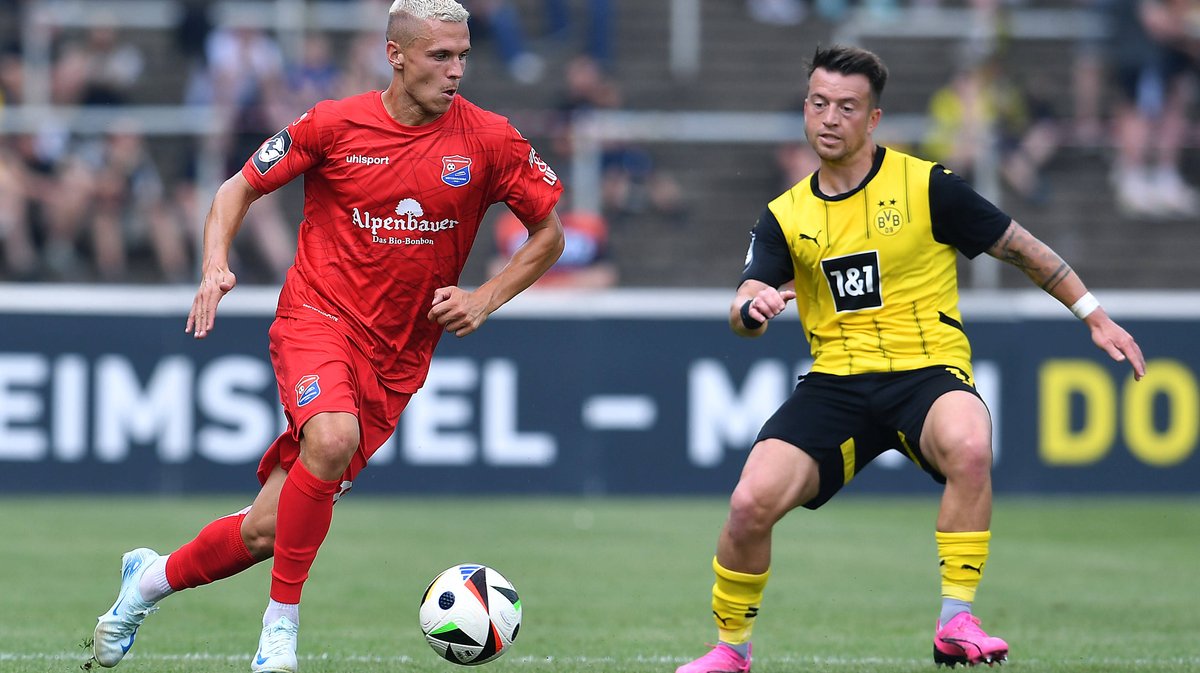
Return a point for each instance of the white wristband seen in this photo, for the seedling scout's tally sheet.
(1084, 306)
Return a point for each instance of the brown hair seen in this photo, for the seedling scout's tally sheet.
(849, 60)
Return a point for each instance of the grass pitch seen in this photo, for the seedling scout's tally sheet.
(1074, 585)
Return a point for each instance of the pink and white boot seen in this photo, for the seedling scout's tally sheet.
(961, 641)
(720, 659)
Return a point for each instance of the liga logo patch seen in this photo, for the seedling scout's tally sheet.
(275, 148)
(307, 389)
(456, 170)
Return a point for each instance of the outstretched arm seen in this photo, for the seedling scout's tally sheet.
(462, 312)
(225, 217)
(1046, 269)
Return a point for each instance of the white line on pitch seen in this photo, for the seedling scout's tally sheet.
(1187, 662)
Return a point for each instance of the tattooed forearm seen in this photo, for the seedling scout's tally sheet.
(1057, 277)
(1034, 258)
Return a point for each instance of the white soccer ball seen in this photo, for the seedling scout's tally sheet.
(470, 614)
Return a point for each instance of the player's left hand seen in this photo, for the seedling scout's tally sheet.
(458, 311)
(1115, 341)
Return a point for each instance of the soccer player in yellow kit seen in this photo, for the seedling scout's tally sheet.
(867, 246)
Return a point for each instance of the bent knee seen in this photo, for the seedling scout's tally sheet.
(969, 458)
(750, 513)
(327, 456)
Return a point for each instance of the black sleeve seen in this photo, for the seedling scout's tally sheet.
(961, 217)
(768, 259)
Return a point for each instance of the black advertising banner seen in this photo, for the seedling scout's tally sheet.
(543, 402)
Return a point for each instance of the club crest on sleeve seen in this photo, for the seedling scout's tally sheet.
(456, 170)
(275, 148)
(307, 389)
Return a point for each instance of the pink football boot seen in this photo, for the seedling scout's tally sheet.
(961, 641)
(720, 659)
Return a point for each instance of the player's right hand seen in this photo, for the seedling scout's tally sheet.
(769, 303)
(215, 284)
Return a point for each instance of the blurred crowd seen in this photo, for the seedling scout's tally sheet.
(123, 206)
(1130, 98)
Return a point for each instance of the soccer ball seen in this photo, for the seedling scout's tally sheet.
(470, 614)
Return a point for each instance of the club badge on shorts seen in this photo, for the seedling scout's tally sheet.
(307, 389)
(456, 170)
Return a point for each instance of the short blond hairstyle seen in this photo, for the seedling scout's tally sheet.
(442, 10)
(404, 16)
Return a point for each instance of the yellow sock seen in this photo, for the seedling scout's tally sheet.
(735, 601)
(962, 557)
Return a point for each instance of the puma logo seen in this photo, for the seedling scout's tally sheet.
(751, 613)
(965, 566)
(806, 237)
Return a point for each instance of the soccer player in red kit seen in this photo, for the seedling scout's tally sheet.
(395, 186)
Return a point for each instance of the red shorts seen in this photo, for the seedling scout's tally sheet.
(319, 370)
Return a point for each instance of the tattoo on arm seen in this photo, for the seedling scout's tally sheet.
(1034, 258)
(1057, 277)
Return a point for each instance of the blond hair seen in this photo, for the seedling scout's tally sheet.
(442, 10)
(405, 17)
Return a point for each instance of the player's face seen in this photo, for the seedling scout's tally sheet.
(432, 66)
(838, 115)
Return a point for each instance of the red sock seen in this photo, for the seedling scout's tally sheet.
(217, 552)
(305, 511)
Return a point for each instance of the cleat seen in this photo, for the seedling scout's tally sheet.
(276, 648)
(961, 641)
(117, 628)
(720, 659)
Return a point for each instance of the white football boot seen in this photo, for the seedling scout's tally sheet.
(117, 628)
(276, 648)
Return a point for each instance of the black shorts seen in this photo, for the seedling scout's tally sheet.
(844, 422)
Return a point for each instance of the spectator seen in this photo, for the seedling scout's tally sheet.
(131, 217)
(315, 76)
(244, 79)
(599, 21)
(500, 21)
(114, 68)
(585, 261)
(794, 161)
(981, 110)
(1155, 62)
(64, 195)
(12, 75)
(191, 40)
(1087, 78)
(16, 240)
(98, 69)
(631, 183)
(361, 70)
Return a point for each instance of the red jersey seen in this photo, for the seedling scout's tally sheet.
(390, 214)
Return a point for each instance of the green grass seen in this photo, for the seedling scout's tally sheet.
(1074, 585)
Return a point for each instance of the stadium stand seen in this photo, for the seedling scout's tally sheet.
(738, 65)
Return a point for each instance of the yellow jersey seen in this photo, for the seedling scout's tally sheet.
(875, 268)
